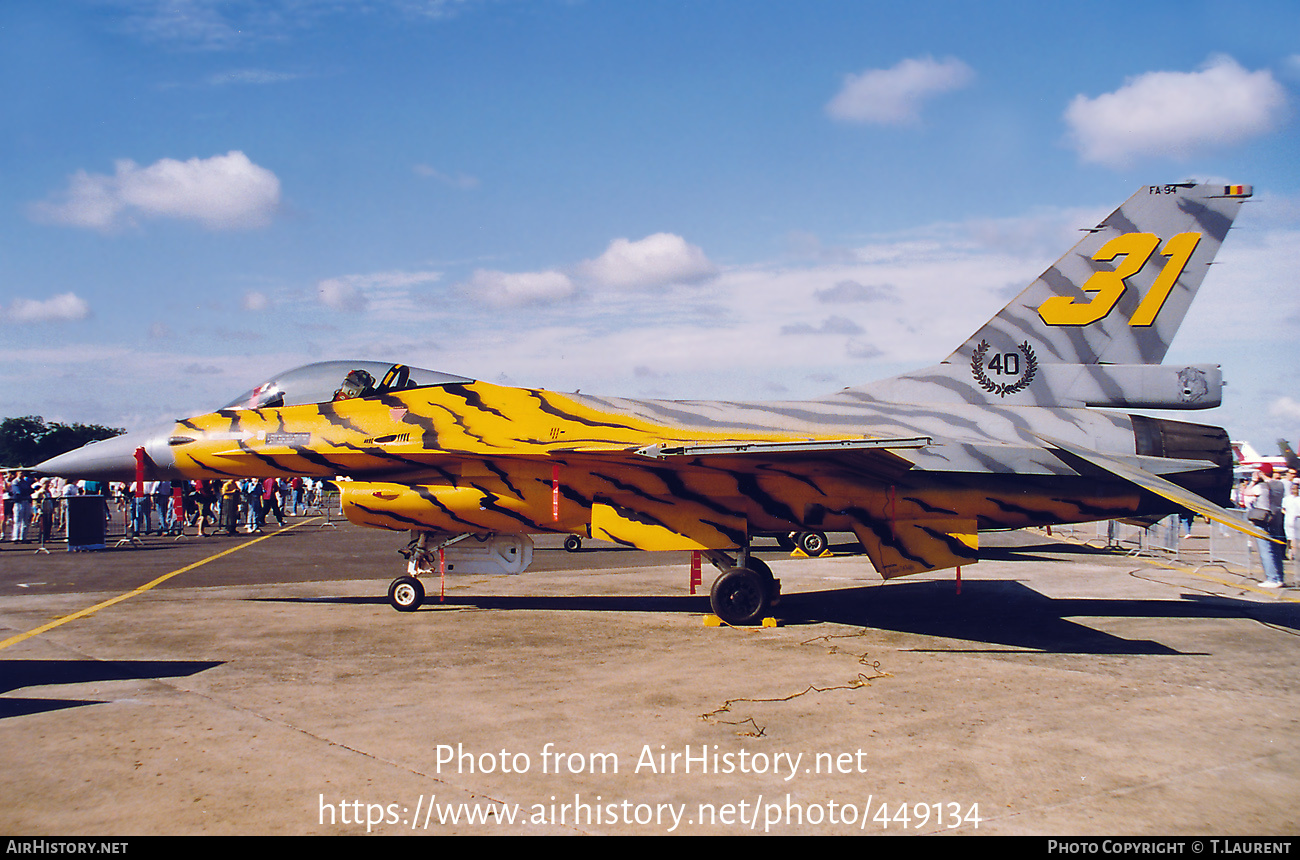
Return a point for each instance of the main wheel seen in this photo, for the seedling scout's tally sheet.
(812, 543)
(406, 594)
(740, 596)
(573, 543)
(773, 584)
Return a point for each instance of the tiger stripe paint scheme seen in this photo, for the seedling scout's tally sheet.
(914, 466)
(483, 458)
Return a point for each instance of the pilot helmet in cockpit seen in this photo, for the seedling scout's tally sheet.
(358, 383)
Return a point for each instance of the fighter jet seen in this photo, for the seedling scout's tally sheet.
(1008, 431)
(1247, 460)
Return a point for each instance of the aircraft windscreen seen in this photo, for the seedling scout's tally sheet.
(337, 380)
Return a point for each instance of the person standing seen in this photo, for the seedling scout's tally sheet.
(43, 497)
(270, 501)
(21, 492)
(1264, 509)
(1291, 517)
(204, 497)
(230, 505)
(6, 480)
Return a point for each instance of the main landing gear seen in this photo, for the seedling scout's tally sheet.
(745, 589)
(813, 544)
(743, 594)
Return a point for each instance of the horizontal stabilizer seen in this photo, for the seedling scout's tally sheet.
(1155, 484)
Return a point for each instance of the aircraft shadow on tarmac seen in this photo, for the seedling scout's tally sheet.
(17, 674)
(1008, 613)
(1003, 613)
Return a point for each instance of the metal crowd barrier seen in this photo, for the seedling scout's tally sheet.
(1210, 544)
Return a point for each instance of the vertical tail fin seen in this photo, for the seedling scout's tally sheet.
(1119, 295)
(1093, 329)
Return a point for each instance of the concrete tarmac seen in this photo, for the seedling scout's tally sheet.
(271, 690)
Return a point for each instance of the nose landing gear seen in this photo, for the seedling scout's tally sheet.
(406, 594)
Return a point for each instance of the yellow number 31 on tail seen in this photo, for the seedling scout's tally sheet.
(1109, 285)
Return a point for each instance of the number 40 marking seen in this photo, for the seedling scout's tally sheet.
(1109, 286)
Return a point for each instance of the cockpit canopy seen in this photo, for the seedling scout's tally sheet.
(338, 380)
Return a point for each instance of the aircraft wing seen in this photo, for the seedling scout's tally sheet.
(874, 458)
(812, 446)
(1154, 483)
(896, 545)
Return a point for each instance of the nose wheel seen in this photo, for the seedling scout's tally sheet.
(406, 594)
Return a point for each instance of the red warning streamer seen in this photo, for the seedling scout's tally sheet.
(139, 473)
(555, 492)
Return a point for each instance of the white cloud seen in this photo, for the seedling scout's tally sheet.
(830, 325)
(219, 25)
(852, 291)
(894, 96)
(519, 288)
(1175, 113)
(459, 180)
(388, 292)
(1285, 407)
(225, 192)
(657, 260)
(255, 301)
(251, 77)
(342, 295)
(62, 308)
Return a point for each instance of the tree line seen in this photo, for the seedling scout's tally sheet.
(30, 440)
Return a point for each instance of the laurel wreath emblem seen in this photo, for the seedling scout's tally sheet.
(999, 388)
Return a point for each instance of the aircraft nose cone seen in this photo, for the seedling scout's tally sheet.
(114, 459)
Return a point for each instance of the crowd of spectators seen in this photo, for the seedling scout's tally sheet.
(33, 508)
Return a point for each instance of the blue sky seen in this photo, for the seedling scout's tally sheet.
(743, 200)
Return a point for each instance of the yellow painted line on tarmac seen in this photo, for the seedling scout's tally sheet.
(59, 622)
(1271, 592)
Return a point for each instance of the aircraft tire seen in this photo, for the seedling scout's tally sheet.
(573, 543)
(773, 584)
(740, 596)
(406, 594)
(786, 542)
(812, 543)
